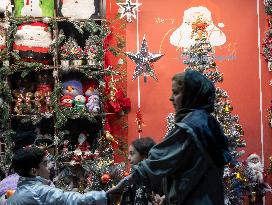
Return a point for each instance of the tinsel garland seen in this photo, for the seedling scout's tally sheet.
(267, 46)
(268, 7)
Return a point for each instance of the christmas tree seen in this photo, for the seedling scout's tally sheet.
(200, 56)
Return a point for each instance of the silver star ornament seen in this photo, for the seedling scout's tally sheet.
(144, 61)
(128, 9)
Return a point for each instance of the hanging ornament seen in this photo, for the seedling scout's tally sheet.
(268, 7)
(270, 114)
(108, 134)
(128, 9)
(170, 119)
(105, 178)
(228, 108)
(126, 173)
(144, 61)
(139, 120)
(269, 169)
(113, 89)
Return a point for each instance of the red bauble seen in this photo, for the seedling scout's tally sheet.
(126, 173)
(105, 178)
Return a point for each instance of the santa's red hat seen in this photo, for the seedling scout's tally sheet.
(252, 156)
(66, 97)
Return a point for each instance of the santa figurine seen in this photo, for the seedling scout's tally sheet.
(65, 146)
(32, 41)
(83, 144)
(256, 178)
(77, 9)
(67, 101)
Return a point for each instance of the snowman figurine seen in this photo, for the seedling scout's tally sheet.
(78, 9)
(31, 8)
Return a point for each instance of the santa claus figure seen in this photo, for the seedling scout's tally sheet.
(33, 41)
(182, 37)
(83, 144)
(77, 9)
(255, 166)
(5, 6)
(259, 187)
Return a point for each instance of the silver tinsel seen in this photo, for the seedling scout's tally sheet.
(128, 9)
(144, 61)
(170, 119)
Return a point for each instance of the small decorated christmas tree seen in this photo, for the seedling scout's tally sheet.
(70, 50)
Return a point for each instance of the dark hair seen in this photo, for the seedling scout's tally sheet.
(179, 79)
(26, 158)
(2, 174)
(143, 145)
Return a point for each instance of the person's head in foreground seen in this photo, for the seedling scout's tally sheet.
(31, 162)
(138, 150)
(192, 91)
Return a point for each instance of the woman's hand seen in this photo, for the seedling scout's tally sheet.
(157, 199)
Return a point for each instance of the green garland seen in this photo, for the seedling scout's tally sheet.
(7, 97)
(7, 136)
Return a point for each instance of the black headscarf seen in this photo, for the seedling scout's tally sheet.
(198, 93)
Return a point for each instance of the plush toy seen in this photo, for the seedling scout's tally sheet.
(65, 146)
(48, 102)
(93, 103)
(83, 144)
(33, 41)
(18, 108)
(66, 101)
(5, 6)
(79, 102)
(45, 82)
(38, 98)
(90, 90)
(28, 103)
(78, 9)
(72, 88)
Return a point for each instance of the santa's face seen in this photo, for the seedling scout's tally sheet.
(81, 138)
(255, 164)
(67, 101)
(78, 9)
(80, 99)
(33, 36)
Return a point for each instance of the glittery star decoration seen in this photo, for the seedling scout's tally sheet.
(128, 9)
(144, 61)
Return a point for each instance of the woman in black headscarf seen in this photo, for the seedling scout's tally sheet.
(188, 164)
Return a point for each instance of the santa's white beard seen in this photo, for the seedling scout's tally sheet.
(33, 37)
(81, 10)
(257, 171)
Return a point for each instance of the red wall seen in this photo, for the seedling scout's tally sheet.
(242, 81)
